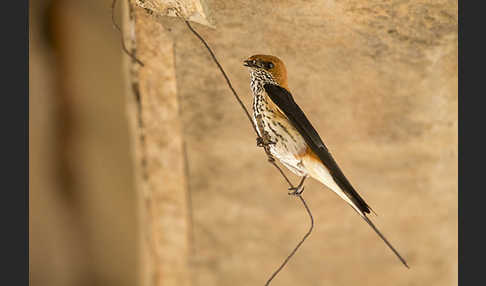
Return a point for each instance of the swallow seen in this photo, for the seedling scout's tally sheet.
(293, 140)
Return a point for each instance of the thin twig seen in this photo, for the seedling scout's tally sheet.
(222, 71)
(122, 40)
(298, 245)
(265, 147)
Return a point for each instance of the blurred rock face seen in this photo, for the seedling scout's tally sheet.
(82, 211)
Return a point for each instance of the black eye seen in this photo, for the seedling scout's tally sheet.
(253, 62)
(270, 65)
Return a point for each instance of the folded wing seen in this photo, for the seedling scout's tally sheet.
(284, 100)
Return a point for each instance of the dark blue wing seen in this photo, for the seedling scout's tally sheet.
(283, 99)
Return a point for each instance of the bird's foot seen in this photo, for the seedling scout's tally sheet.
(261, 142)
(296, 191)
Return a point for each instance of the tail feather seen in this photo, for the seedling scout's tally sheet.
(321, 173)
(384, 239)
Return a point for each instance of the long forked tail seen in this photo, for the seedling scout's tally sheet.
(385, 240)
(318, 171)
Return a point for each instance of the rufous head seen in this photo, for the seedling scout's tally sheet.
(270, 64)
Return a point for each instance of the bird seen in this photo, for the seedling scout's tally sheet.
(291, 138)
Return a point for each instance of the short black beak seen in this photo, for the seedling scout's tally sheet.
(251, 64)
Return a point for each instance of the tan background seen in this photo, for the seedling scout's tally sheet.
(378, 80)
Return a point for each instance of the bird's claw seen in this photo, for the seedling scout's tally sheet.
(261, 143)
(296, 191)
